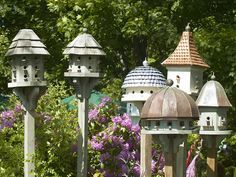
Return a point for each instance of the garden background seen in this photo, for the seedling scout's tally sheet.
(128, 31)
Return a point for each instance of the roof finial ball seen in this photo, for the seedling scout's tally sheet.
(213, 77)
(169, 82)
(188, 28)
(145, 62)
(85, 30)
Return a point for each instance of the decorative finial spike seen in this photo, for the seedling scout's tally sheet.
(85, 30)
(145, 62)
(188, 28)
(169, 82)
(213, 77)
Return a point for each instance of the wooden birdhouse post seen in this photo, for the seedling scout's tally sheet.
(27, 55)
(168, 116)
(185, 66)
(139, 84)
(84, 57)
(213, 105)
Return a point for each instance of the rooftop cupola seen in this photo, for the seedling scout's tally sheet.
(185, 66)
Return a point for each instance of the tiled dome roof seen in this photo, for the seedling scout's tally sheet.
(26, 42)
(144, 76)
(169, 103)
(185, 53)
(84, 44)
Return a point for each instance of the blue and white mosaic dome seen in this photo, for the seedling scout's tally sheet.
(144, 76)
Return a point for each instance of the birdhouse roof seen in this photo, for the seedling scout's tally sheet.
(26, 42)
(169, 103)
(144, 76)
(185, 53)
(213, 95)
(84, 44)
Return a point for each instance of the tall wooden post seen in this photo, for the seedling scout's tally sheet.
(29, 97)
(146, 155)
(212, 157)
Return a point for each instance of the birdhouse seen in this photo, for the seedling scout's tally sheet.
(169, 111)
(213, 105)
(185, 66)
(139, 84)
(27, 54)
(84, 56)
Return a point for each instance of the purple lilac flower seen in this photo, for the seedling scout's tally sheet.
(117, 140)
(97, 145)
(153, 166)
(127, 123)
(124, 169)
(123, 155)
(18, 108)
(104, 157)
(136, 170)
(136, 128)
(108, 174)
(8, 119)
(103, 119)
(117, 120)
(93, 114)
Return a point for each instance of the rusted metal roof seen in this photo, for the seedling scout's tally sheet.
(169, 103)
(186, 52)
(213, 95)
(144, 76)
(26, 42)
(84, 44)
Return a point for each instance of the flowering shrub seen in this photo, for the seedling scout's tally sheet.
(115, 143)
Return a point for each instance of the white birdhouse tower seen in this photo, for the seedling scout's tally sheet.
(213, 106)
(185, 66)
(27, 54)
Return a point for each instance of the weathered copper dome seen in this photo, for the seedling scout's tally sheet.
(213, 95)
(169, 103)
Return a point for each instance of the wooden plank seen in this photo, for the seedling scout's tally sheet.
(146, 155)
(212, 158)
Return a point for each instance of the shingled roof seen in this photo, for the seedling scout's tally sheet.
(186, 52)
(84, 44)
(26, 42)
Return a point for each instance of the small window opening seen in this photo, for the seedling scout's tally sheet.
(151, 92)
(133, 92)
(141, 91)
(25, 67)
(181, 123)
(158, 123)
(90, 67)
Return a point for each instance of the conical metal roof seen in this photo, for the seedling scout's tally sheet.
(213, 95)
(144, 76)
(186, 52)
(26, 42)
(84, 44)
(169, 103)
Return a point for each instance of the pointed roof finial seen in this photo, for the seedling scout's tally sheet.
(213, 77)
(188, 28)
(145, 62)
(85, 30)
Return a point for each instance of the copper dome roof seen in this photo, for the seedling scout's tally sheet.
(185, 53)
(213, 95)
(169, 103)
